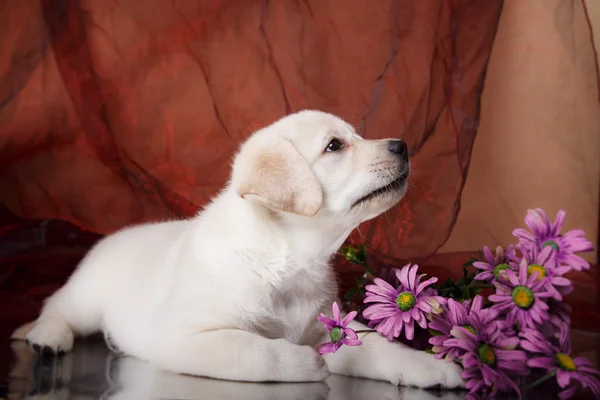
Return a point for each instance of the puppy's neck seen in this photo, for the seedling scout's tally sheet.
(307, 239)
(317, 238)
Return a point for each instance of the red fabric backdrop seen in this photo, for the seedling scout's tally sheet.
(123, 111)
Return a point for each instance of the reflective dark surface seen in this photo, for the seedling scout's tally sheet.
(91, 371)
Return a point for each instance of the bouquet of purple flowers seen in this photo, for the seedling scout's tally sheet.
(509, 341)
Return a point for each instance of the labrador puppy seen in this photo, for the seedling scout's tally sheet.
(234, 293)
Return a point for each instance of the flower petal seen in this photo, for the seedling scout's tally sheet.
(558, 223)
(351, 342)
(523, 235)
(327, 348)
(336, 313)
(487, 254)
(403, 275)
(350, 333)
(409, 330)
(424, 284)
(328, 322)
(546, 363)
(563, 378)
(351, 315)
(477, 304)
(412, 273)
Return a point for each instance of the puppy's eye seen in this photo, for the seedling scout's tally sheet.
(334, 145)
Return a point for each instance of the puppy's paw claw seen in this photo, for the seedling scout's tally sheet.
(50, 337)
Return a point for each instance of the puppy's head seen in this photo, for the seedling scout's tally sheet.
(314, 164)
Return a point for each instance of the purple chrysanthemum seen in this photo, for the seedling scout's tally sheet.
(570, 372)
(457, 314)
(391, 277)
(490, 359)
(521, 298)
(544, 233)
(398, 308)
(339, 333)
(493, 266)
(543, 262)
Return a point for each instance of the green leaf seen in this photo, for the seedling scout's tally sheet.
(361, 253)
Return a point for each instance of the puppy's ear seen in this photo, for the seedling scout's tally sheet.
(276, 176)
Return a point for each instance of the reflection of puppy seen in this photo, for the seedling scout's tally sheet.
(234, 292)
(91, 372)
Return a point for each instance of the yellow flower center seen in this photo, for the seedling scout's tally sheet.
(499, 268)
(486, 354)
(523, 297)
(565, 362)
(405, 301)
(542, 273)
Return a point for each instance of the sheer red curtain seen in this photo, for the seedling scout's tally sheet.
(118, 112)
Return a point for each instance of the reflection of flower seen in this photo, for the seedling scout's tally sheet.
(399, 307)
(521, 298)
(493, 266)
(547, 234)
(339, 333)
(543, 263)
(570, 372)
(490, 358)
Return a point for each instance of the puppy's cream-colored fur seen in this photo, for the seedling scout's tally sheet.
(234, 292)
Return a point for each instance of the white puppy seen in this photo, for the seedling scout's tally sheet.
(235, 292)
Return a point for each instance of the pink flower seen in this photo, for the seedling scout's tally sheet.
(570, 372)
(543, 263)
(339, 333)
(522, 297)
(494, 266)
(547, 234)
(398, 308)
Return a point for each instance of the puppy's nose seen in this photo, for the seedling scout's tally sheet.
(398, 147)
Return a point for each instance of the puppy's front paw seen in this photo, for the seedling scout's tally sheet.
(50, 336)
(425, 371)
(302, 364)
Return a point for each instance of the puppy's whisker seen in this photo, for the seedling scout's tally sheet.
(365, 241)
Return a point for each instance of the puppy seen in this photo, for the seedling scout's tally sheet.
(234, 293)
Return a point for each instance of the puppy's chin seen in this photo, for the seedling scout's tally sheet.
(379, 203)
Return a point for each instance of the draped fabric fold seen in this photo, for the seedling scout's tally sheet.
(120, 112)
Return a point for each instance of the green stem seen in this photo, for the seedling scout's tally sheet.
(540, 381)
(364, 265)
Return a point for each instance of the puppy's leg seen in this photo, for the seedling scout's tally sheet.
(73, 309)
(379, 359)
(241, 356)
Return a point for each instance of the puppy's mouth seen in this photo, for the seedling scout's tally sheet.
(395, 186)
